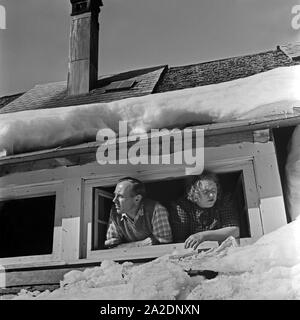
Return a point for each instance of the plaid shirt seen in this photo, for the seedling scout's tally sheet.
(187, 218)
(145, 224)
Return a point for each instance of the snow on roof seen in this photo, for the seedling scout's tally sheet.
(154, 80)
(272, 92)
(268, 93)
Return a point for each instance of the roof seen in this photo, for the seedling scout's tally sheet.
(213, 72)
(54, 95)
(154, 80)
(162, 79)
(7, 99)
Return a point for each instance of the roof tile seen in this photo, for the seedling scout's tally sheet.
(213, 72)
(54, 95)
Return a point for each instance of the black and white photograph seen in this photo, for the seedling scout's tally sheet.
(149, 150)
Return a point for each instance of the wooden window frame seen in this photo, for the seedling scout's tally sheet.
(96, 220)
(246, 166)
(32, 191)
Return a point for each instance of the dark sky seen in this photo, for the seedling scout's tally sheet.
(137, 33)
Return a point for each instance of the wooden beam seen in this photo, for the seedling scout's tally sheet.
(255, 223)
(276, 121)
(71, 219)
(272, 206)
(266, 171)
(81, 155)
(215, 129)
(273, 213)
(261, 136)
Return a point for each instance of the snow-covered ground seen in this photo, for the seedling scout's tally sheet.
(268, 269)
(272, 92)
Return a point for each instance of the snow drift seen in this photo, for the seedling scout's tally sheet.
(271, 92)
(268, 269)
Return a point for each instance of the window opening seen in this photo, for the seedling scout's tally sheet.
(165, 191)
(26, 226)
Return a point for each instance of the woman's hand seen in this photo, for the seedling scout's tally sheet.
(194, 240)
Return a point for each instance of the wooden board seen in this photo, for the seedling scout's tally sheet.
(272, 213)
(85, 154)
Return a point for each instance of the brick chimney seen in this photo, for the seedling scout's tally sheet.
(84, 39)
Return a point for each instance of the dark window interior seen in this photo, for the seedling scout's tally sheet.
(282, 137)
(26, 226)
(101, 210)
(164, 191)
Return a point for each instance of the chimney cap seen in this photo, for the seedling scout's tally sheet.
(82, 6)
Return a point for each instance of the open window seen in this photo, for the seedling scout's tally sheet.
(30, 223)
(26, 226)
(165, 191)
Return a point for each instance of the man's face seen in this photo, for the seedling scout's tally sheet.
(124, 200)
(206, 193)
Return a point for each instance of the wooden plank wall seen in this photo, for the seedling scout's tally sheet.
(72, 214)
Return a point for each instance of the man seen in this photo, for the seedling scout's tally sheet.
(203, 214)
(135, 220)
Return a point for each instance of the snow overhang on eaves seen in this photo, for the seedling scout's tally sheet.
(210, 130)
(240, 105)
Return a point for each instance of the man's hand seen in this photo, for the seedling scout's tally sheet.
(194, 240)
(110, 243)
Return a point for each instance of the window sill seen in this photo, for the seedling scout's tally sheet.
(147, 252)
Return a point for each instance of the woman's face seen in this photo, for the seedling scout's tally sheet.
(206, 193)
